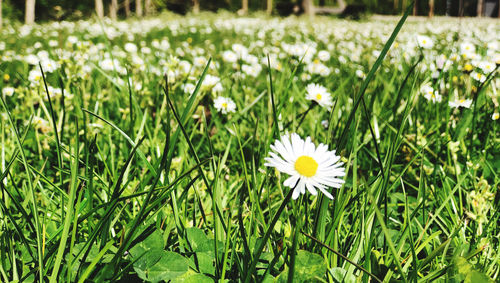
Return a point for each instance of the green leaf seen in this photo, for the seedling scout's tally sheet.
(158, 265)
(198, 240)
(309, 267)
(463, 271)
(193, 277)
(152, 242)
(340, 275)
(206, 262)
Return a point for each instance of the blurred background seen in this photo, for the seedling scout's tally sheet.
(30, 11)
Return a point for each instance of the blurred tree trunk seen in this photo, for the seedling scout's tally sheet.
(1, 20)
(196, 6)
(113, 9)
(448, 7)
(99, 9)
(29, 16)
(415, 8)
(269, 10)
(138, 8)
(126, 5)
(148, 7)
(480, 5)
(431, 8)
(244, 7)
(396, 5)
(308, 6)
(321, 3)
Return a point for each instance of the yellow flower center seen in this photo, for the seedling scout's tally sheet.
(462, 100)
(424, 41)
(316, 61)
(6, 77)
(318, 96)
(306, 166)
(224, 104)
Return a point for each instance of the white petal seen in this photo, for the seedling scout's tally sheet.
(292, 181)
(296, 193)
(311, 189)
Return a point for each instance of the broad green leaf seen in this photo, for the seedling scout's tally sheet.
(309, 267)
(158, 265)
(193, 277)
(340, 275)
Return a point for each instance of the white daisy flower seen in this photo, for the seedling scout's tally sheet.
(8, 91)
(360, 74)
(466, 103)
(130, 47)
(495, 116)
(430, 94)
(224, 105)
(324, 55)
(189, 88)
(35, 77)
(309, 166)
(487, 66)
(424, 41)
(229, 56)
(467, 48)
(319, 94)
(478, 76)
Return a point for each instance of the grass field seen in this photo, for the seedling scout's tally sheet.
(158, 150)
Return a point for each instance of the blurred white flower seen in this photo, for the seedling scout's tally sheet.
(224, 105)
(320, 95)
(465, 103)
(8, 91)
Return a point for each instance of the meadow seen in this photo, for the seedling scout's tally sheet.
(214, 148)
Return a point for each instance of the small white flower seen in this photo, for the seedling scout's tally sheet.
(8, 91)
(478, 76)
(72, 39)
(200, 61)
(189, 88)
(49, 65)
(424, 41)
(466, 103)
(430, 94)
(495, 116)
(319, 94)
(251, 70)
(31, 59)
(467, 48)
(130, 47)
(309, 166)
(324, 55)
(360, 74)
(229, 56)
(35, 77)
(325, 124)
(224, 105)
(487, 66)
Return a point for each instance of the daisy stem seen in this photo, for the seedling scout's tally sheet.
(297, 227)
(270, 228)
